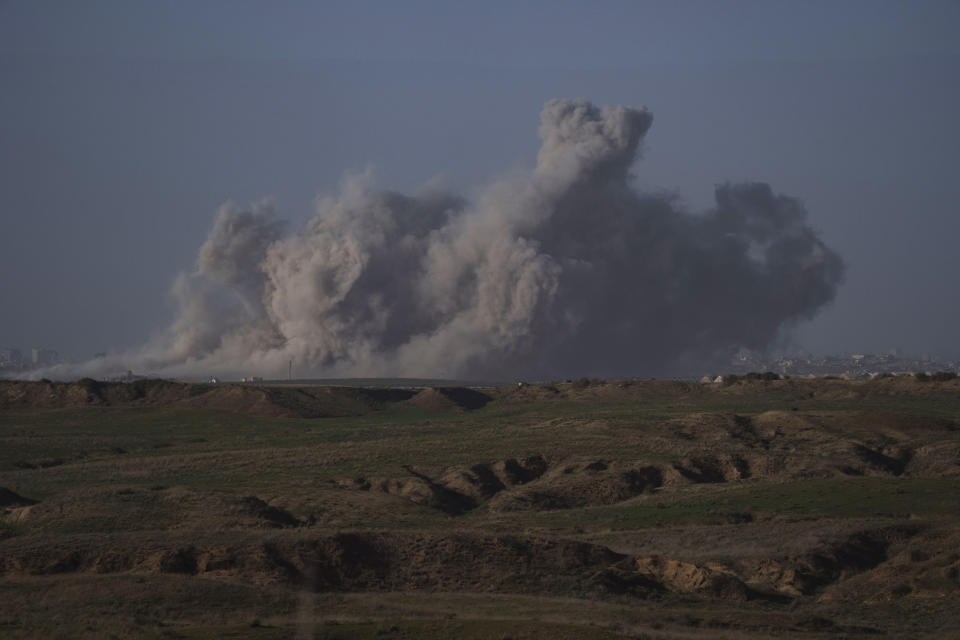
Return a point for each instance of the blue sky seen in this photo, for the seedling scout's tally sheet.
(127, 124)
(557, 34)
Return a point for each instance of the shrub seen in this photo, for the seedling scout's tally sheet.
(766, 375)
(140, 388)
(943, 376)
(89, 384)
(921, 376)
(900, 590)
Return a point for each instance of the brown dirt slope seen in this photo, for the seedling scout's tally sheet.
(316, 401)
(362, 561)
(262, 401)
(450, 399)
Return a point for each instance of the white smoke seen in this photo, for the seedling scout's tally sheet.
(566, 271)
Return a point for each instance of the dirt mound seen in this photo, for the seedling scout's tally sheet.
(278, 402)
(249, 401)
(512, 484)
(270, 516)
(450, 399)
(937, 459)
(597, 390)
(810, 572)
(455, 490)
(483, 481)
(342, 562)
(421, 490)
(15, 394)
(774, 445)
(678, 576)
(924, 567)
(533, 484)
(156, 508)
(582, 484)
(855, 557)
(390, 561)
(711, 428)
(708, 469)
(296, 402)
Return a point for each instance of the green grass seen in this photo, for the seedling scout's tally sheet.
(410, 630)
(98, 606)
(204, 448)
(167, 473)
(828, 498)
(11, 529)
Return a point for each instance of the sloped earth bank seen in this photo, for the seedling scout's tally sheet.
(253, 400)
(801, 509)
(397, 561)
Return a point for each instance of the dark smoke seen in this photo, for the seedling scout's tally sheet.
(566, 271)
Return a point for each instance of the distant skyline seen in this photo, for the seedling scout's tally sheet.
(128, 124)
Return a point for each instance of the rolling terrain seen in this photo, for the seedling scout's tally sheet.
(610, 509)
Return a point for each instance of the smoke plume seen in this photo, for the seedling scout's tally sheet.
(565, 271)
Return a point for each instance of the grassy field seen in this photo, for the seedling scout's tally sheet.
(825, 504)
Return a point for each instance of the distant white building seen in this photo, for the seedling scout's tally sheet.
(44, 357)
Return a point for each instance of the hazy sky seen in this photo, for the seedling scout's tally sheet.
(126, 124)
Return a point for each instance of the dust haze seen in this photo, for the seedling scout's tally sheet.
(565, 270)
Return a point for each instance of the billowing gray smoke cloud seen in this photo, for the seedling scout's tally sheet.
(565, 271)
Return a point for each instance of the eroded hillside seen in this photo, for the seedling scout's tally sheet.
(800, 508)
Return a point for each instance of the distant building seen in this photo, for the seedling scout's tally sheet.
(44, 357)
(11, 359)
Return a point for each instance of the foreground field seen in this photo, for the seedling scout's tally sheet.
(638, 509)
